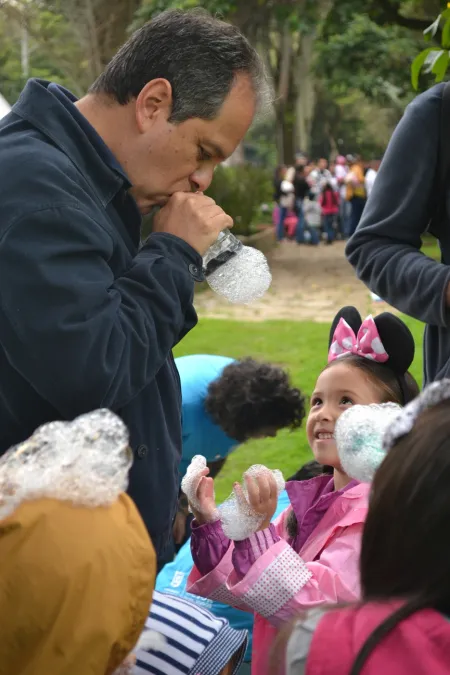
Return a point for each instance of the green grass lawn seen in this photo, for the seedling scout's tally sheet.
(301, 347)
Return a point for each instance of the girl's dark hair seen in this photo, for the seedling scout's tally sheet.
(404, 534)
(393, 388)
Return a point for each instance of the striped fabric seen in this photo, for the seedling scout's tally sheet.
(197, 642)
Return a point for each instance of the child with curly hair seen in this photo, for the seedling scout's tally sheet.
(226, 402)
(310, 556)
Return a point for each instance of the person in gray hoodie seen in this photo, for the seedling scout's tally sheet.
(385, 249)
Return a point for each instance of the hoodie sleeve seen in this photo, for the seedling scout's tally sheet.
(81, 336)
(385, 249)
(281, 584)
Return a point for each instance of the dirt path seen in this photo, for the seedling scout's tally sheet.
(308, 284)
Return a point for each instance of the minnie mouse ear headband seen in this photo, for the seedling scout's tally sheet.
(384, 339)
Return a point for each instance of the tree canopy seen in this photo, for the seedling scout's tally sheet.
(341, 69)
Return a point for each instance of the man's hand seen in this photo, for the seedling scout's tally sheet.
(194, 218)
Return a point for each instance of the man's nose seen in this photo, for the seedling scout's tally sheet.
(202, 179)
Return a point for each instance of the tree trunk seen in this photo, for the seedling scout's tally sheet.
(284, 70)
(305, 93)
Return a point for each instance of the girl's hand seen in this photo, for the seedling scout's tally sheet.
(262, 496)
(205, 509)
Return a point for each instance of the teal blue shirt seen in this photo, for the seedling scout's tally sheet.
(201, 436)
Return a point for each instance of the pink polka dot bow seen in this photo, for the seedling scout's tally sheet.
(367, 343)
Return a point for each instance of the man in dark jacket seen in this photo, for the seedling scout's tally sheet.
(88, 314)
(385, 250)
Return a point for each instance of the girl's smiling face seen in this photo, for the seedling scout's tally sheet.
(336, 389)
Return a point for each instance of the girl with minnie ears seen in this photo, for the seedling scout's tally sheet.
(402, 626)
(309, 557)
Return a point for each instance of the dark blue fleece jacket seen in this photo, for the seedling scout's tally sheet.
(385, 249)
(88, 316)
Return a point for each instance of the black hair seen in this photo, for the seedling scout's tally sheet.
(198, 54)
(408, 512)
(251, 396)
(392, 388)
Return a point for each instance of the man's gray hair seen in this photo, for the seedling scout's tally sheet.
(198, 54)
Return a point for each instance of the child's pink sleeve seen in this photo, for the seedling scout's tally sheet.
(210, 580)
(208, 545)
(280, 584)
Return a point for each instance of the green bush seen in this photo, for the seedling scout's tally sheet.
(240, 191)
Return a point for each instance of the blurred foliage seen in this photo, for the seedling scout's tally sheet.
(368, 58)
(240, 191)
(358, 77)
(433, 61)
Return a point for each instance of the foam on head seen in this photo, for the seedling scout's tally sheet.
(85, 461)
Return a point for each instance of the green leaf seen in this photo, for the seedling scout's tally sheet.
(431, 59)
(440, 66)
(432, 29)
(445, 40)
(417, 65)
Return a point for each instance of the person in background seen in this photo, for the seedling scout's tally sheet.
(313, 220)
(355, 192)
(319, 177)
(371, 174)
(286, 201)
(301, 160)
(226, 402)
(340, 174)
(301, 190)
(402, 626)
(278, 177)
(329, 204)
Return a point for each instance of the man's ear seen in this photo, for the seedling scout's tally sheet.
(154, 100)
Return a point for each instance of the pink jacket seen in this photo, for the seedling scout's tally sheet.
(419, 645)
(282, 583)
(329, 202)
